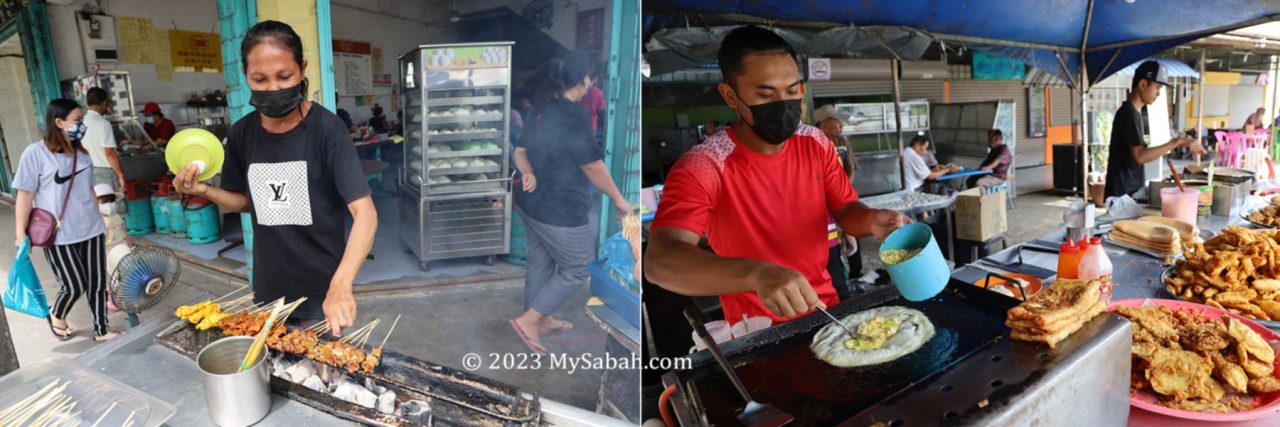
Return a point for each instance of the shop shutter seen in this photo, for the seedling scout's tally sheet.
(1029, 151)
(1060, 100)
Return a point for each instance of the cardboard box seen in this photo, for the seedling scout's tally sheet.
(980, 216)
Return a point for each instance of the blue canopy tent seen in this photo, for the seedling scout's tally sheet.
(1062, 37)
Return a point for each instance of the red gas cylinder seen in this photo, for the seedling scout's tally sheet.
(136, 190)
(162, 186)
(195, 202)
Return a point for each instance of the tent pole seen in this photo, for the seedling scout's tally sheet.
(896, 65)
(1084, 100)
(1200, 105)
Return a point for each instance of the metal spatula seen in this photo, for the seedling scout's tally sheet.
(755, 414)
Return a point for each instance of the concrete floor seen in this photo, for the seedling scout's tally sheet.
(440, 324)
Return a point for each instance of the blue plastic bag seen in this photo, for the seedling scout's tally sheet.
(24, 293)
(619, 261)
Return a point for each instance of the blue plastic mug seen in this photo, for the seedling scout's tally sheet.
(923, 276)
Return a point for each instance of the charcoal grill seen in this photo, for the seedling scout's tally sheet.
(969, 373)
(456, 398)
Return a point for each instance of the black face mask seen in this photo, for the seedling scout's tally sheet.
(278, 103)
(775, 121)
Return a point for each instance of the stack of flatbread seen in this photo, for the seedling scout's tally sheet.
(1054, 314)
(1189, 232)
(1150, 236)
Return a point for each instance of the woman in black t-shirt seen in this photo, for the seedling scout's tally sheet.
(293, 167)
(557, 143)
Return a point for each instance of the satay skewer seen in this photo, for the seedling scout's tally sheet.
(16, 407)
(320, 326)
(389, 331)
(229, 294)
(104, 414)
(352, 335)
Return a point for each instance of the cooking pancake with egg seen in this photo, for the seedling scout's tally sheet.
(883, 334)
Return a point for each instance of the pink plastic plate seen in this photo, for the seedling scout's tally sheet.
(1269, 404)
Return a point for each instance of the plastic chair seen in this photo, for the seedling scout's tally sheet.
(1261, 139)
(1236, 146)
(1221, 147)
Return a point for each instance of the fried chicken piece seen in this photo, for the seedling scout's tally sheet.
(1272, 308)
(1240, 402)
(1267, 384)
(1257, 368)
(1204, 337)
(1266, 285)
(1195, 405)
(1250, 341)
(1159, 323)
(1229, 372)
(1179, 373)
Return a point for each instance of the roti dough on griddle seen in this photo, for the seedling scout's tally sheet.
(914, 329)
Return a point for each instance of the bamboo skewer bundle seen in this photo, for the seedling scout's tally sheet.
(49, 406)
(260, 341)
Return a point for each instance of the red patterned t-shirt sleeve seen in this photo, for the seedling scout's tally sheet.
(689, 193)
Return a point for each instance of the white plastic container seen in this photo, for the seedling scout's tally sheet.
(98, 398)
(1096, 265)
(719, 331)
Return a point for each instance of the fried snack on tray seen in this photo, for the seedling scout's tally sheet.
(1269, 215)
(1198, 363)
(1055, 313)
(1238, 271)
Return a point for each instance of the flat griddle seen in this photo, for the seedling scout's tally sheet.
(778, 367)
(456, 398)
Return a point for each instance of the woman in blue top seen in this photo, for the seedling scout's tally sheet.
(50, 175)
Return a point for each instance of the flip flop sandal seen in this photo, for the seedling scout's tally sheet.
(62, 334)
(564, 326)
(534, 346)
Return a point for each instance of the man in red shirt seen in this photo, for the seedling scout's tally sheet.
(594, 100)
(760, 191)
(157, 127)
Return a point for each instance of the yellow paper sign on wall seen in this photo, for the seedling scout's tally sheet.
(195, 52)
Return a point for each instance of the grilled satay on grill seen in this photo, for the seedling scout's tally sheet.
(339, 354)
(297, 341)
(243, 323)
(371, 361)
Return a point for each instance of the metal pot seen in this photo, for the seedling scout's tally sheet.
(234, 398)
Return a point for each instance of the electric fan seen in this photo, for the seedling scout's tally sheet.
(141, 277)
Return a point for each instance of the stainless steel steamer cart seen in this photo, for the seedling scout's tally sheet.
(455, 187)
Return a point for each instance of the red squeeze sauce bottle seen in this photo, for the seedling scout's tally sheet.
(1068, 260)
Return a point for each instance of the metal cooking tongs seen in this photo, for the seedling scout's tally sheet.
(755, 414)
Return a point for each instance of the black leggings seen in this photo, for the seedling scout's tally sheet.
(81, 269)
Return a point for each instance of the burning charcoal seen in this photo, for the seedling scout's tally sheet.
(313, 382)
(356, 394)
(278, 367)
(366, 398)
(416, 411)
(346, 390)
(373, 386)
(387, 402)
(300, 371)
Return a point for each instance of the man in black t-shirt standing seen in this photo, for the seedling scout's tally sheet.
(1129, 151)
